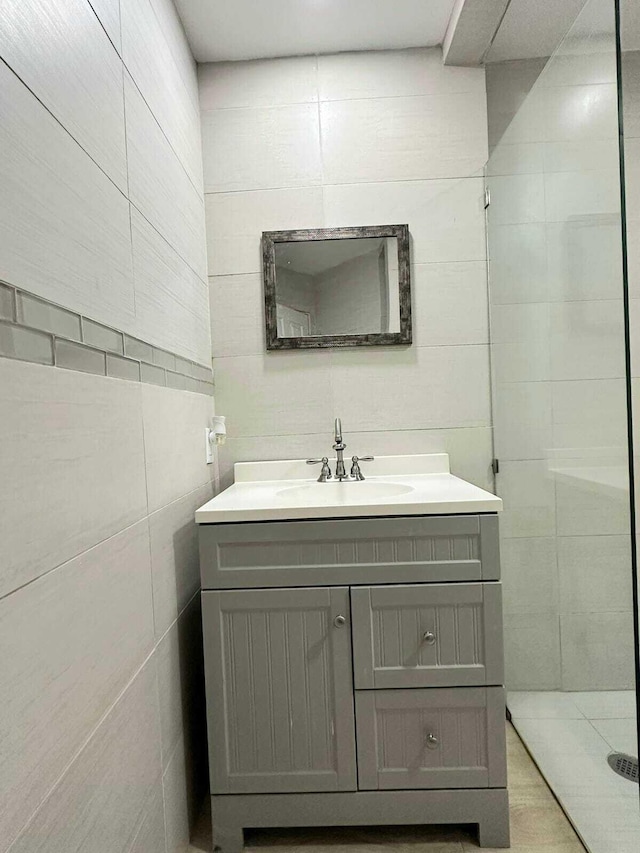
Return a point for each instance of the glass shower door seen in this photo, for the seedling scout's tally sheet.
(559, 387)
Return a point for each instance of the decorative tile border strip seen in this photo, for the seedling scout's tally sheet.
(36, 330)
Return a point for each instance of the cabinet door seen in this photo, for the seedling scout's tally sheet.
(429, 635)
(279, 690)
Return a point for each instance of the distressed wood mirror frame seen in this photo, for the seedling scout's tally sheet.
(269, 241)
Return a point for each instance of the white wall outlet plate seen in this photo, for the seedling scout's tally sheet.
(208, 445)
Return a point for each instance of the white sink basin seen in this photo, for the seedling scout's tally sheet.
(331, 494)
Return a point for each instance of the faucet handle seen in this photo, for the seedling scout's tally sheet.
(356, 473)
(325, 473)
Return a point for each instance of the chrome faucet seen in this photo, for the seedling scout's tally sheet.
(339, 448)
(341, 474)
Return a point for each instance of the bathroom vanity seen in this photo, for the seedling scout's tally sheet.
(353, 650)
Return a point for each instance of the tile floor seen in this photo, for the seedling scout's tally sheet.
(570, 735)
(538, 825)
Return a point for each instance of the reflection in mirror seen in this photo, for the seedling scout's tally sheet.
(337, 287)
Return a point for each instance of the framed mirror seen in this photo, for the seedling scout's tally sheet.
(337, 287)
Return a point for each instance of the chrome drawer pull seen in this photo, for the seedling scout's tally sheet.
(432, 741)
(429, 638)
(339, 621)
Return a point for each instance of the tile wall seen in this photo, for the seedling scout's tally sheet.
(350, 139)
(557, 330)
(101, 215)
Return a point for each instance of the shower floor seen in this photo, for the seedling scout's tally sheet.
(569, 736)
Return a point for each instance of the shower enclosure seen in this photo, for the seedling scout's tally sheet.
(563, 225)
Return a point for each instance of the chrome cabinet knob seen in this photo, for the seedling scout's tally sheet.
(432, 741)
(429, 638)
(339, 621)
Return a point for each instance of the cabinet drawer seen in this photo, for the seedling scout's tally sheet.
(432, 635)
(411, 549)
(439, 738)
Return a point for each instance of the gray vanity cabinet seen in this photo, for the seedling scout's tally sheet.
(280, 689)
(354, 672)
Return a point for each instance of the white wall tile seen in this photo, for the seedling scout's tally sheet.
(584, 259)
(235, 222)
(580, 69)
(180, 665)
(148, 58)
(236, 309)
(172, 302)
(174, 424)
(516, 199)
(449, 304)
(518, 158)
(258, 83)
(532, 651)
(150, 836)
(470, 450)
(523, 420)
(631, 93)
(529, 575)
(159, 186)
(60, 676)
(177, 805)
(73, 454)
(168, 18)
(587, 660)
(429, 387)
(104, 795)
(581, 112)
(384, 73)
(632, 178)
(73, 70)
(584, 509)
(397, 139)
(175, 562)
(274, 393)
(581, 194)
(590, 413)
(580, 155)
(518, 269)
(594, 574)
(520, 335)
(528, 492)
(72, 248)
(587, 340)
(445, 217)
(261, 148)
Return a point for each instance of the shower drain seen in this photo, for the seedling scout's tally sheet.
(625, 766)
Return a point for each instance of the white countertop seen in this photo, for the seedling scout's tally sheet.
(394, 485)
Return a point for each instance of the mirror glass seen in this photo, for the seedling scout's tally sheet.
(337, 287)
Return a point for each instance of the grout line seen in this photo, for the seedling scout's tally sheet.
(449, 179)
(91, 6)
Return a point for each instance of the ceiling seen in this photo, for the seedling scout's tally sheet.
(250, 29)
(535, 29)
